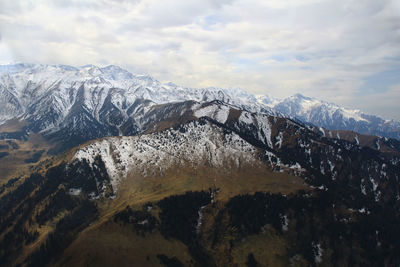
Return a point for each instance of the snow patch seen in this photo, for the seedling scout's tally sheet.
(378, 146)
(200, 214)
(318, 253)
(363, 188)
(356, 139)
(322, 131)
(264, 130)
(285, 225)
(279, 139)
(245, 117)
(75, 191)
(217, 112)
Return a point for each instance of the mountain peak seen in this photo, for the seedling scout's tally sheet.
(299, 96)
(114, 72)
(90, 70)
(88, 66)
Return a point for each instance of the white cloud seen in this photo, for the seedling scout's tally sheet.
(6, 55)
(385, 103)
(321, 48)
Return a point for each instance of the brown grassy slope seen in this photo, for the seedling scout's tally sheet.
(111, 244)
(137, 190)
(105, 243)
(14, 164)
(13, 125)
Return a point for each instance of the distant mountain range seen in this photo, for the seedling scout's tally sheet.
(331, 116)
(89, 102)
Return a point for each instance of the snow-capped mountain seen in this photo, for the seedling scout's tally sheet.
(220, 136)
(193, 144)
(331, 116)
(79, 104)
(26, 86)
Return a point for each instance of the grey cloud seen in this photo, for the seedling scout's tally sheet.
(11, 7)
(155, 46)
(89, 4)
(165, 14)
(96, 20)
(32, 33)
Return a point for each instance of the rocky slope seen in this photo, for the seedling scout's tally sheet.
(286, 144)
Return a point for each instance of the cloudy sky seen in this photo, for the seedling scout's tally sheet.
(342, 51)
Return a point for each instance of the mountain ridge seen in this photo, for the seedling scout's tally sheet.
(79, 104)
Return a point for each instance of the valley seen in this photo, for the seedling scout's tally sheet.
(18, 155)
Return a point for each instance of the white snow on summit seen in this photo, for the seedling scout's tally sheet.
(33, 91)
(304, 107)
(218, 112)
(152, 154)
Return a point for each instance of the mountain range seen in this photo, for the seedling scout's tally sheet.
(120, 169)
(79, 104)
